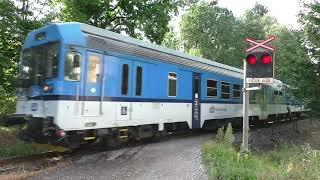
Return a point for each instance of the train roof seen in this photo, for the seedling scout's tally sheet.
(98, 38)
(74, 33)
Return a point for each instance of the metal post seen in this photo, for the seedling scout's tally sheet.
(245, 127)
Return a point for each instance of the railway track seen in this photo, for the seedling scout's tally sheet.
(37, 162)
(33, 162)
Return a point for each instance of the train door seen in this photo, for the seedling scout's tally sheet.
(125, 76)
(137, 91)
(196, 101)
(92, 85)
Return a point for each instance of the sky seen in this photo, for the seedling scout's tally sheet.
(284, 10)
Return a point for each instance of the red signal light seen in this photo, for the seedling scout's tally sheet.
(266, 59)
(251, 59)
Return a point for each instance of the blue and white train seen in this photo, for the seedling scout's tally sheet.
(79, 84)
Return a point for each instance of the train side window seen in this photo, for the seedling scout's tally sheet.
(212, 88)
(236, 90)
(139, 81)
(72, 67)
(125, 79)
(275, 95)
(225, 90)
(93, 68)
(280, 93)
(172, 84)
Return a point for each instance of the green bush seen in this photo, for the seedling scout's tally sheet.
(224, 162)
(10, 146)
(225, 136)
(18, 149)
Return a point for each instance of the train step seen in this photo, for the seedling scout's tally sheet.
(89, 138)
(123, 133)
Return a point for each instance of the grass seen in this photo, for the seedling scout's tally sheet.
(223, 161)
(10, 146)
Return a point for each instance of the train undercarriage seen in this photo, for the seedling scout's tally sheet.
(44, 131)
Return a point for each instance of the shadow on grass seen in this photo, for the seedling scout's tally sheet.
(10, 146)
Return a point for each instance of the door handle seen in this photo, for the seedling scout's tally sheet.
(102, 80)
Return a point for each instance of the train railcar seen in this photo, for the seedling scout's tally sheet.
(79, 84)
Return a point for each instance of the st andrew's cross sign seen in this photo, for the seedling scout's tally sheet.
(260, 58)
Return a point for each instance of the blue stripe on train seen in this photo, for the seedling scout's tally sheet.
(122, 99)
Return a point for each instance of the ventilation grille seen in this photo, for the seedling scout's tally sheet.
(104, 44)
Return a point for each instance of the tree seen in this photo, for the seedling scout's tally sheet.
(256, 23)
(171, 40)
(214, 32)
(310, 21)
(147, 18)
(16, 21)
(293, 64)
(9, 43)
(260, 9)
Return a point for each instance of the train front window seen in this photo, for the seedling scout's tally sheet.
(40, 62)
(93, 69)
(72, 67)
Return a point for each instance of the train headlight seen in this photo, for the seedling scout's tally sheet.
(60, 133)
(47, 88)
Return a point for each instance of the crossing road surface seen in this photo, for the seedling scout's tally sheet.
(176, 158)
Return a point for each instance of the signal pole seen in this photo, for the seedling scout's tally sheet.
(245, 126)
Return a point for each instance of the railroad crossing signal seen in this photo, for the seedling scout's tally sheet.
(260, 61)
(258, 68)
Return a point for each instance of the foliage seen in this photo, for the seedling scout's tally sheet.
(195, 52)
(292, 60)
(310, 36)
(220, 134)
(171, 40)
(214, 32)
(12, 147)
(137, 18)
(225, 135)
(260, 9)
(219, 36)
(224, 162)
(228, 135)
(309, 18)
(19, 149)
(16, 21)
(255, 26)
(10, 43)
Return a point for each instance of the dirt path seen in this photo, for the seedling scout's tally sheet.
(178, 158)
